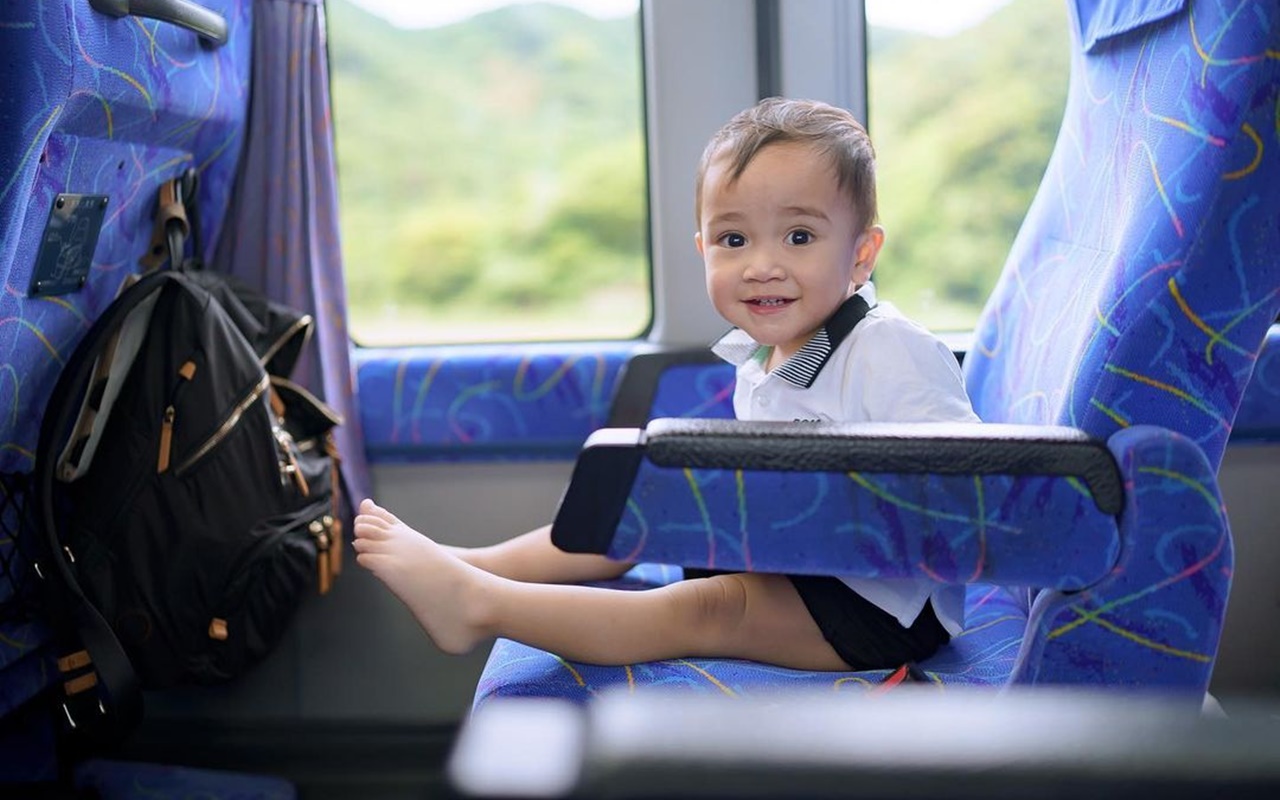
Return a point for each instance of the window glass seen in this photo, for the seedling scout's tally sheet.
(965, 99)
(491, 166)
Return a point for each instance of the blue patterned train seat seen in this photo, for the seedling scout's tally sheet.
(104, 109)
(96, 112)
(1129, 318)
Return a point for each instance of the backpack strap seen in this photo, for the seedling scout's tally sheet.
(102, 697)
(278, 333)
(177, 218)
(170, 230)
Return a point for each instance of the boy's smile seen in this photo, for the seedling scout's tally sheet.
(781, 245)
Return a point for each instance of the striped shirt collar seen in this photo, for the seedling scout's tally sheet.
(802, 368)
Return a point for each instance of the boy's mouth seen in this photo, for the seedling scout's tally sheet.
(768, 303)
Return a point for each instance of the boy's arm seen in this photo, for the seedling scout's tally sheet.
(532, 558)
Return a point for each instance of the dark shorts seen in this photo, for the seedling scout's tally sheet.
(862, 634)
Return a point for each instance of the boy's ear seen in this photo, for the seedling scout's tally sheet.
(697, 242)
(865, 252)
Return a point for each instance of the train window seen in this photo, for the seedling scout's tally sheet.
(965, 99)
(491, 165)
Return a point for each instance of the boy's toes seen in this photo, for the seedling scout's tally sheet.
(367, 527)
(372, 509)
(366, 544)
(379, 511)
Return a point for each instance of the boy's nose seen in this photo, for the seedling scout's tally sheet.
(766, 264)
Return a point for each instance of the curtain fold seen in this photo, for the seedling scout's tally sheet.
(281, 234)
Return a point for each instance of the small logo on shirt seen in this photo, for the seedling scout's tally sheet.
(797, 419)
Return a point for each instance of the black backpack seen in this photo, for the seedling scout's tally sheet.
(187, 490)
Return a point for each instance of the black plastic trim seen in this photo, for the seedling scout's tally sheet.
(597, 493)
(938, 448)
(638, 382)
(768, 49)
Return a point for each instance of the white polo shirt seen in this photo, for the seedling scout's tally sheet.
(885, 368)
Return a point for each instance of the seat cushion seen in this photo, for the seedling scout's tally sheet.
(982, 655)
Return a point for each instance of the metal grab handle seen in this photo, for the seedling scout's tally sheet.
(208, 25)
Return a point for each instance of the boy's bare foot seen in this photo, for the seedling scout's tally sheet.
(443, 592)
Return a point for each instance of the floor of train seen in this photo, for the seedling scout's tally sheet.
(325, 761)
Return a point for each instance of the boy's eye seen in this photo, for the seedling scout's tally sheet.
(799, 237)
(733, 240)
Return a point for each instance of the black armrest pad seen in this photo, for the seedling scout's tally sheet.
(940, 448)
(597, 492)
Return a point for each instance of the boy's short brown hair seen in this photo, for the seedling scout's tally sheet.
(832, 131)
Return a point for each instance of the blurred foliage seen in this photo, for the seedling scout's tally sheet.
(963, 128)
(494, 168)
(490, 168)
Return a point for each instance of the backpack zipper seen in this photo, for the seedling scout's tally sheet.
(319, 529)
(288, 462)
(187, 372)
(287, 443)
(219, 629)
(301, 322)
(227, 425)
(322, 531)
(311, 399)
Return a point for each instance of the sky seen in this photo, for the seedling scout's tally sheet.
(936, 17)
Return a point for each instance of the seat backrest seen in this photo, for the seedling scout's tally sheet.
(98, 105)
(1147, 271)
(107, 107)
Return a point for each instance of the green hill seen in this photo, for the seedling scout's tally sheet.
(963, 128)
(494, 162)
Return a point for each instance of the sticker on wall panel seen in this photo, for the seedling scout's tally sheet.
(66, 249)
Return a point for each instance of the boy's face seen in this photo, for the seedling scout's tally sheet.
(781, 245)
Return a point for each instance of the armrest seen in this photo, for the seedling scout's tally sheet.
(1135, 597)
(954, 502)
(937, 448)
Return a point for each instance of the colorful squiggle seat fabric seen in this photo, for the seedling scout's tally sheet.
(90, 105)
(1133, 306)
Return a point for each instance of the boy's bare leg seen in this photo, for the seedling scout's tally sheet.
(532, 558)
(757, 617)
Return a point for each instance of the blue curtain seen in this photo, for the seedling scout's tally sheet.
(281, 234)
